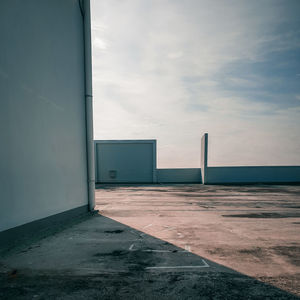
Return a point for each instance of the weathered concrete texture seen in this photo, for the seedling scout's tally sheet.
(252, 229)
(167, 242)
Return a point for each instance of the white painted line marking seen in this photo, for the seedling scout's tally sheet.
(147, 226)
(205, 265)
(137, 234)
(169, 228)
(187, 248)
(164, 251)
(133, 232)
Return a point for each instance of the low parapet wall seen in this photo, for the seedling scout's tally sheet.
(253, 174)
(245, 174)
(192, 175)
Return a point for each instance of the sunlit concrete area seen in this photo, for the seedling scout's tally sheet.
(166, 242)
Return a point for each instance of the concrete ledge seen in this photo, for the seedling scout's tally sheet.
(253, 174)
(38, 229)
(192, 175)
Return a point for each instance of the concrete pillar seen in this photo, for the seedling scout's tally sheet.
(204, 152)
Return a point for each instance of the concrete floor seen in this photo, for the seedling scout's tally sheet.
(168, 242)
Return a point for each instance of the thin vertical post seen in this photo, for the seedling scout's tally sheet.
(204, 152)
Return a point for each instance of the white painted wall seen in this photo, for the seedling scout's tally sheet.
(245, 174)
(252, 174)
(130, 161)
(180, 175)
(42, 110)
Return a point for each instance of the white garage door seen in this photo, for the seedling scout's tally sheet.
(125, 162)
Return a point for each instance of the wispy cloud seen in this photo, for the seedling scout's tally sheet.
(99, 44)
(173, 70)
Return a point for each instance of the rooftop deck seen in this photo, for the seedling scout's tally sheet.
(168, 242)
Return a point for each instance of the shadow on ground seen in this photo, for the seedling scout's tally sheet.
(100, 258)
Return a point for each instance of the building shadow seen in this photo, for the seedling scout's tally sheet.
(100, 258)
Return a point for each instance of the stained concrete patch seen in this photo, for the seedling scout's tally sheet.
(127, 261)
(116, 253)
(114, 231)
(264, 215)
(291, 253)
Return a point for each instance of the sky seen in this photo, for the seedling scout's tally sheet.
(172, 70)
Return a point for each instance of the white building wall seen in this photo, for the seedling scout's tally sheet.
(42, 110)
(180, 175)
